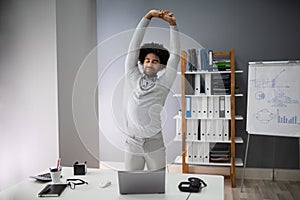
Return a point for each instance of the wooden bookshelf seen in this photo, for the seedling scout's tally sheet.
(185, 165)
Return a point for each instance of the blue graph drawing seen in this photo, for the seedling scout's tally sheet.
(264, 116)
(269, 83)
(281, 100)
(283, 119)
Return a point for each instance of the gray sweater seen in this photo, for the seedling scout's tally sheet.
(143, 105)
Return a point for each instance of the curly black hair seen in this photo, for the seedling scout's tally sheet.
(157, 49)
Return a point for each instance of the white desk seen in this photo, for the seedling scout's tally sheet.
(29, 188)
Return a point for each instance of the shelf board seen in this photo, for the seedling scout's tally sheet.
(238, 140)
(238, 162)
(202, 95)
(205, 95)
(212, 72)
(237, 117)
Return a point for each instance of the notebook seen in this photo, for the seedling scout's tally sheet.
(52, 190)
(141, 182)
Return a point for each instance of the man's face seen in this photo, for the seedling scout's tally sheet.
(151, 65)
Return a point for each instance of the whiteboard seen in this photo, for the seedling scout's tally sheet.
(273, 104)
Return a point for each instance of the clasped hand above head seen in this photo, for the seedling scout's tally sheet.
(163, 14)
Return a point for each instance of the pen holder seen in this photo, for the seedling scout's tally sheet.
(80, 168)
(55, 174)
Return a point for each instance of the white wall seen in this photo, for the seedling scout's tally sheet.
(28, 89)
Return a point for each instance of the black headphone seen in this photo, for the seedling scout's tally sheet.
(193, 185)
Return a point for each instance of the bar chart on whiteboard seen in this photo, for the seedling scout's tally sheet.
(273, 106)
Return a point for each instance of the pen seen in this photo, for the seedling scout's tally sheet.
(58, 164)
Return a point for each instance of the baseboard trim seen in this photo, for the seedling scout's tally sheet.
(254, 173)
(287, 175)
(267, 174)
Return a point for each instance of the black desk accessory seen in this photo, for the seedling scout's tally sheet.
(46, 177)
(80, 168)
(52, 190)
(193, 185)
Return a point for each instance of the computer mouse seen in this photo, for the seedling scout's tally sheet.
(104, 183)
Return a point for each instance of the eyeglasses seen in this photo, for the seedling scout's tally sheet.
(73, 182)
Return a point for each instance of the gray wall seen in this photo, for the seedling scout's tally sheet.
(77, 81)
(258, 30)
(28, 89)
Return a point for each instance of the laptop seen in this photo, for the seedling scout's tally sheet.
(142, 182)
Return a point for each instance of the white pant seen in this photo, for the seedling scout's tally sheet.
(141, 151)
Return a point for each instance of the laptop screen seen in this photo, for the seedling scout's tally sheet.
(141, 182)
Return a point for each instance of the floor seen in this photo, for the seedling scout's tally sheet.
(263, 190)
